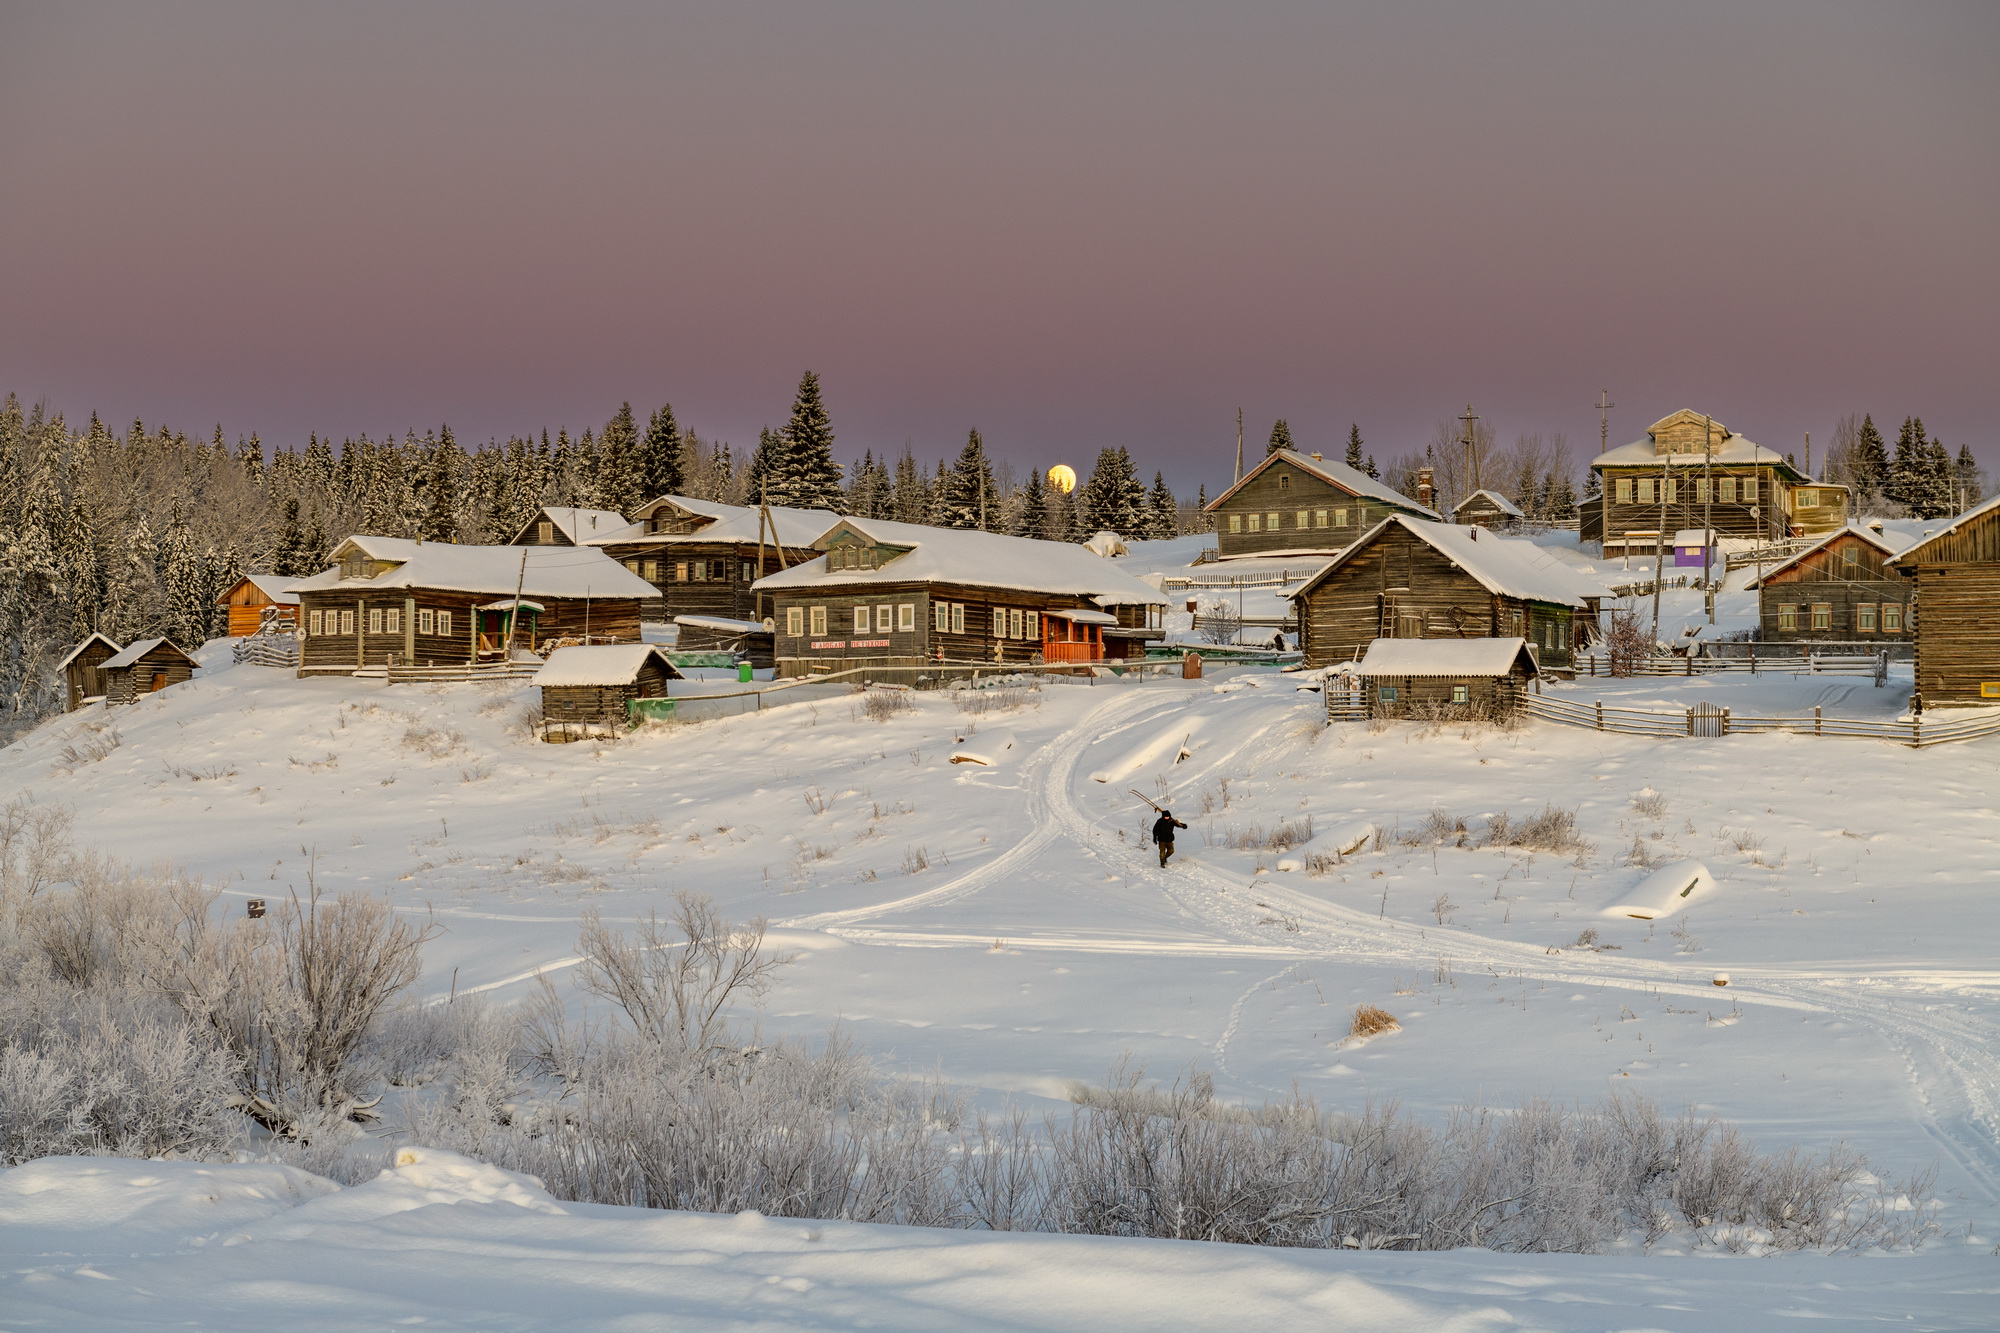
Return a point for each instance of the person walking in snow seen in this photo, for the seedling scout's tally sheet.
(1163, 834)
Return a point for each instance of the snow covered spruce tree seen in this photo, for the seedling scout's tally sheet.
(969, 497)
(1281, 437)
(1163, 512)
(661, 468)
(803, 474)
(1031, 512)
(1113, 499)
(617, 462)
(441, 490)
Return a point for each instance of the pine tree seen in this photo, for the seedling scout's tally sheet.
(662, 468)
(808, 478)
(292, 560)
(1371, 469)
(1904, 484)
(910, 491)
(1031, 515)
(250, 457)
(1869, 465)
(179, 574)
(617, 463)
(1162, 510)
(967, 496)
(761, 478)
(1354, 448)
(441, 490)
(868, 495)
(1105, 503)
(1281, 437)
(1561, 505)
(1966, 478)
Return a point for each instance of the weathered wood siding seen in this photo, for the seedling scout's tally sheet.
(163, 666)
(1432, 696)
(1766, 516)
(1957, 578)
(843, 646)
(612, 620)
(706, 578)
(1827, 578)
(85, 673)
(1289, 491)
(603, 703)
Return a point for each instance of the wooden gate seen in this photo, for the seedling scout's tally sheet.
(1708, 720)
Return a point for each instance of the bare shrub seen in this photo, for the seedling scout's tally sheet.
(1438, 828)
(35, 847)
(1219, 621)
(1370, 1021)
(1551, 829)
(677, 990)
(1000, 699)
(1649, 803)
(816, 799)
(916, 860)
(1279, 837)
(87, 747)
(432, 742)
(879, 705)
(1627, 644)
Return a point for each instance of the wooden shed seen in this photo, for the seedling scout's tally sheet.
(1487, 509)
(147, 666)
(595, 684)
(750, 640)
(256, 600)
(1446, 678)
(83, 670)
(1956, 574)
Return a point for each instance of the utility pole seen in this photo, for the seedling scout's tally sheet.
(1239, 447)
(1809, 471)
(1604, 406)
(1471, 450)
(1708, 517)
(1659, 554)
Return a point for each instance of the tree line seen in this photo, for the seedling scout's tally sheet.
(1920, 479)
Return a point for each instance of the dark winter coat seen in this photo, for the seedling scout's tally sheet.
(1164, 826)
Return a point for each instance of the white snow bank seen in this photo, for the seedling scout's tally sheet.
(1349, 837)
(595, 1269)
(1172, 745)
(988, 747)
(1664, 892)
(420, 1178)
(115, 1200)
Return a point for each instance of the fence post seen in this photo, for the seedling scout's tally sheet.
(1725, 722)
(1690, 722)
(1917, 731)
(1817, 719)
(1600, 714)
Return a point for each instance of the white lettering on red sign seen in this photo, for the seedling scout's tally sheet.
(869, 643)
(830, 643)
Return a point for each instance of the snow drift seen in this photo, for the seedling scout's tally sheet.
(1664, 892)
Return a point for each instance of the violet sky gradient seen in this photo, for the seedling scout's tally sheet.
(1070, 224)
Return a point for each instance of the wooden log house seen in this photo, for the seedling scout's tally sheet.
(1690, 468)
(415, 603)
(1955, 575)
(146, 667)
(594, 684)
(83, 670)
(902, 594)
(704, 558)
(1447, 679)
(569, 525)
(255, 600)
(1487, 509)
(1409, 579)
(1302, 504)
(1841, 589)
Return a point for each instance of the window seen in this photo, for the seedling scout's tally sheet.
(1822, 615)
(698, 571)
(1728, 488)
(1016, 625)
(1645, 490)
(357, 567)
(1808, 499)
(426, 621)
(633, 565)
(1701, 490)
(795, 621)
(860, 620)
(1340, 518)
(818, 619)
(1236, 523)
(1461, 694)
(1284, 482)
(1387, 694)
(1304, 519)
(1623, 491)
(1271, 521)
(346, 622)
(1319, 518)
(680, 571)
(1256, 522)
(374, 620)
(884, 617)
(748, 572)
(1671, 490)
(444, 622)
(958, 617)
(1864, 617)
(392, 620)
(1852, 555)
(1747, 490)
(1892, 617)
(906, 618)
(1034, 625)
(1788, 616)
(313, 623)
(941, 616)
(545, 532)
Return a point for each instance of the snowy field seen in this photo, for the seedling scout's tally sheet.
(1006, 927)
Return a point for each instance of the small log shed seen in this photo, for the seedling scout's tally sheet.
(83, 670)
(147, 666)
(257, 599)
(595, 684)
(1446, 678)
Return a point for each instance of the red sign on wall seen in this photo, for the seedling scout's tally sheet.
(830, 643)
(869, 643)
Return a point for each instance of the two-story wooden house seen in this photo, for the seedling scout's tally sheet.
(1840, 589)
(1691, 469)
(1410, 579)
(881, 593)
(1302, 504)
(568, 525)
(702, 558)
(418, 603)
(1955, 574)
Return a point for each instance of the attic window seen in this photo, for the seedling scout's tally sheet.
(1284, 482)
(545, 532)
(357, 567)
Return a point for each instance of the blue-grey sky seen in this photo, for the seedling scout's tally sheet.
(1068, 224)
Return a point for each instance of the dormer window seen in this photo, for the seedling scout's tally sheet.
(545, 533)
(357, 567)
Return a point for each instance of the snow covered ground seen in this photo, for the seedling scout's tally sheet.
(1005, 926)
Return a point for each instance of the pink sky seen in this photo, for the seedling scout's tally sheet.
(1070, 225)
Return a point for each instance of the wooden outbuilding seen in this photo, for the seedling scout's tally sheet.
(704, 558)
(1840, 589)
(569, 525)
(1955, 574)
(595, 684)
(1447, 679)
(1487, 509)
(903, 594)
(1409, 579)
(750, 641)
(257, 600)
(83, 670)
(391, 600)
(148, 666)
(1302, 504)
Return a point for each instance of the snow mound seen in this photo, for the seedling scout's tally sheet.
(1348, 837)
(116, 1196)
(419, 1178)
(988, 748)
(1177, 742)
(1664, 892)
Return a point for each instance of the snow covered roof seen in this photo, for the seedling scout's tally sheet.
(1444, 657)
(1977, 511)
(1494, 498)
(1691, 537)
(582, 525)
(1352, 480)
(977, 559)
(1729, 448)
(1886, 542)
(509, 603)
(732, 523)
(1082, 617)
(724, 623)
(71, 655)
(601, 664)
(1503, 565)
(275, 587)
(548, 571)
(139, 650)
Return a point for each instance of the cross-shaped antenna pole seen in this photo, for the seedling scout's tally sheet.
(1604, 406)
(1471, 454)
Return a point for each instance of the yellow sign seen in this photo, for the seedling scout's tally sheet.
(1063, 477)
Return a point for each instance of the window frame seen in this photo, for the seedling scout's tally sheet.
(1273, 522)
(1320, 518)
(957, 617)
(374, 620)
(1304, 519)
(1235, 524)
(795, 622)
(1388, 694)
(1253, 522)
(1865, 614)
(347, 623)
(885, 616)
(1788, 616)
(1461, 694)
(1621, 490)
(1822, 615)
(816, 622)
(1892, 612)
(426, 620)
(1032, 622)
(860, 614)
(906, 618)
(444, 621)
(1340, 517)
(1643, 489)
(315, 623)
(392, 620)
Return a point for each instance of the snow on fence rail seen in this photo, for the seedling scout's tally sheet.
(271, 650)
(1918, 731)
(397, 674)
(1874, 664)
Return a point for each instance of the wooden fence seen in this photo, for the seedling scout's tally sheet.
(397, 674)
(1874, 664)
(1918, 731)
(271, 650)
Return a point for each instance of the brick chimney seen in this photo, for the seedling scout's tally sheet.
(1426, 488)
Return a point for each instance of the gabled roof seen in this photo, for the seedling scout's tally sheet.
(1885, 542)
(1730, 448)
(580, 525)
(275, 587)
(1494, 498)
(140, 649)
(1914, 551)
(1352, 480)
(731, 523)
(1503, 565)
(1444, 657)
(602, 664)
(71, 655)
(542, 571)
(976, 559)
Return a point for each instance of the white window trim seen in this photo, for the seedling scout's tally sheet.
(860, 620)
(906, 618)
(795, 621)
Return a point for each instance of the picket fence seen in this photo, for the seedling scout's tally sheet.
(1703, 720)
